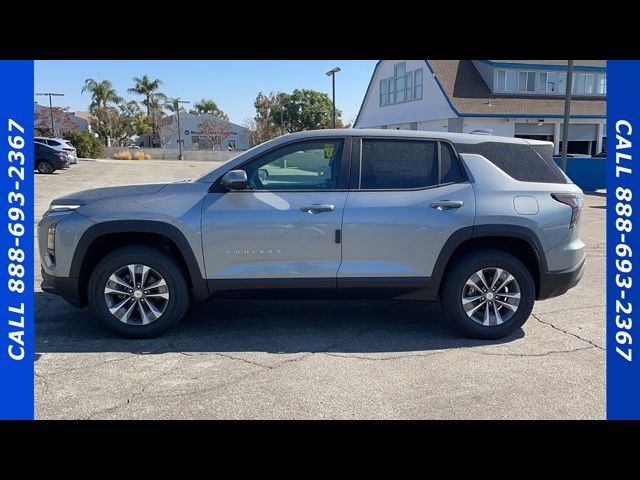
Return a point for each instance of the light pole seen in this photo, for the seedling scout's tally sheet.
(332, 73)
(176, 106)
(49, 94)
(567, 115)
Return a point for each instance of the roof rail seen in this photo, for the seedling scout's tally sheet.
(482, 131)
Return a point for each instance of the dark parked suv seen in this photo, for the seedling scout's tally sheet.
(47, 159)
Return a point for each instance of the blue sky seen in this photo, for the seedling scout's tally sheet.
(233, 84)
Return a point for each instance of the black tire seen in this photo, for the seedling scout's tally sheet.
(456, 278)
(157, 259)
(44, 166)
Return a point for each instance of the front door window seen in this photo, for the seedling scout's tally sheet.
(311, 165)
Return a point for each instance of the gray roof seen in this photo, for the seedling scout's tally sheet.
(469, 94)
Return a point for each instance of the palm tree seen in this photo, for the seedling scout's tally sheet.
(152, 98)
(148, 88)
(102, 93)
(171, 105)
(209, 106)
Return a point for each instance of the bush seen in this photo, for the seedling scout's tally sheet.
(128, 155)
(141, 156)
(122, 155)
(87, 145)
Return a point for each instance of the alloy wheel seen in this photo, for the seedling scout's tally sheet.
(491, 296)
(136, 294)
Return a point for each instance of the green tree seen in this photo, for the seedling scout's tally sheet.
(300, 110)
(102, 93)
(86, 144)
(208, 106)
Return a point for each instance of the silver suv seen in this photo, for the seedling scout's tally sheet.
(485, 224)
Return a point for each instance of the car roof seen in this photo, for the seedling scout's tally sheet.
(467, 138)
(51, 138)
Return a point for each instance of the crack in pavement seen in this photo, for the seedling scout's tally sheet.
(130, 398)
(244, 360)
(566, 332)
(570, 309)
(384, 359)
(470, 349)
(94, 365)
(551, 352)
(232, 382)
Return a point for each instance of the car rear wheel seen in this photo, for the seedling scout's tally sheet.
(43, 166)
(488, 294)
(138, 292)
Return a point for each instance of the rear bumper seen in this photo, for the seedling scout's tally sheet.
(60, 164)
(553, 284)
(67, 287)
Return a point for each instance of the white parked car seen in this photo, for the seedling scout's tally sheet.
(61, 145)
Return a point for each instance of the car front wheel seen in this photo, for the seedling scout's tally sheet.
(488, 294)
(138, 292)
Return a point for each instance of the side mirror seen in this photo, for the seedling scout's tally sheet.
(234, 180)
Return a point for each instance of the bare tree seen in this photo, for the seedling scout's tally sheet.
(214, 132)
(260, 130)
(165, 129)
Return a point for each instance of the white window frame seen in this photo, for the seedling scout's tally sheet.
(405, 86)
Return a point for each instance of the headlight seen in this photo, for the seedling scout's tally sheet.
(68, 208)
(51, 240)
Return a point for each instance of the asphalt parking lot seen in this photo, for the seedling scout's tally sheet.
(318, 359)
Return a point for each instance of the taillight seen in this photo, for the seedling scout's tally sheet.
(61, 155)
(68, 149)
(575, 201)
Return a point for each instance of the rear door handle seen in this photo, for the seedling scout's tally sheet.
(316, 208)
(447, 204)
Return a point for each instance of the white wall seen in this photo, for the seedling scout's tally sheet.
(432, 106)
(500, 126)
(440, 125)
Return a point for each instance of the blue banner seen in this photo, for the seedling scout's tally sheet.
(623, 285)
(16, 240)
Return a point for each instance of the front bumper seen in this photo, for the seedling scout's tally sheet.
(67, 287)
(553, 284)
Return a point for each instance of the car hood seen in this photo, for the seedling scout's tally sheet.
(87, 196)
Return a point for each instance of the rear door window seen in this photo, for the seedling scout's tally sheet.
(398, 164)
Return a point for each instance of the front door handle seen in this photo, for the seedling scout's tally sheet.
(315, 208)
(447, 204)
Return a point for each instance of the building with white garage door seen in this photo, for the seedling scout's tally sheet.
(521, 98)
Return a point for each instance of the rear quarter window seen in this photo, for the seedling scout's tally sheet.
(450, 166)
(522, 162)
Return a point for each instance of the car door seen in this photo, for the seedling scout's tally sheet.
(406, 199)
(284, 225)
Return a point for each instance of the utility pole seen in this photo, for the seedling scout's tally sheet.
(176, 106)
(281, 112)
(332, 73)
(567, 116)
(49, 94)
